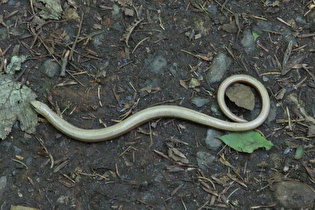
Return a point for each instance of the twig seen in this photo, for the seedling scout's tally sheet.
(64, 64)
(20, 162)
(52, 161)
(126, 150)
(151, 134)
(223, 7)
(286, 120)
(289, 118)
(205, 58)
(137, 45)
(89, 37)
(45, 46)
(299, 83)
(129, 31)
(76, 38)
(99, 95)
(75, 79)
(306, 35)
(125, 64)
(32, 7)
(160, 20)
(304, 67)
(284, 22)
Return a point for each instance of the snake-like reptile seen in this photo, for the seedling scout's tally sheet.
(161, 111)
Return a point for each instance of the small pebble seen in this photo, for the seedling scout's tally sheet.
(204, 160)
(50, 68)
(211, 140)
(220, 64)
(156, 64)
(294, 195)
(129, 12)
(200, 102)
(3, 183)
(98, 40)
(115, 10)
(3, 33)
(248, 42)
(272, 114)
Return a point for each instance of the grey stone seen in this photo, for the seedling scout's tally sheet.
(156, 64)
(3, 33)
(3, 184)
(264, 25)
(16, 150)
(211, 140)
(300, 20)
(215, 109)
(115, 10)
(294, 195)
(173, 68)
(204, 160)
(287, 35)
(272, 114)
(50, 68)
(248, 42)
(98, 40)
(220, 64)
(200, 102)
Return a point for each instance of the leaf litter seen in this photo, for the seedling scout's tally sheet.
(247, 141)
(15, 105)
(242, 96)
(15, 101)
(49, 9)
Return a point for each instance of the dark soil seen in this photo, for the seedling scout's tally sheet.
(120, 65)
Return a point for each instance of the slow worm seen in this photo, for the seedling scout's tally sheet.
(97, 135)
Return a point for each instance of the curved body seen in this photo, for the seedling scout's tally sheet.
(97, 135)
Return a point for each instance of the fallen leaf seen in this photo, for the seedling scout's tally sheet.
(72, 14)
(299, 153)
(183, 83)
(177, 156)
(241, 95)
(247, 141)
(193, 83)
(15, 105)
(49, 9)
(15, 64)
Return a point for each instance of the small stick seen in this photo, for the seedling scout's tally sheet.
(310, 73)
(20, 162)
(306, 35)
(299, 83)
(151, 134)
(129, 31)
(99, 95)
(134, 49)
(76, 38)
(64, 64)
(32, 7)
(289, 118)
(52, 161)
(284, 22)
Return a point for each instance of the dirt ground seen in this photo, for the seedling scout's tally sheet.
(124, 56)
